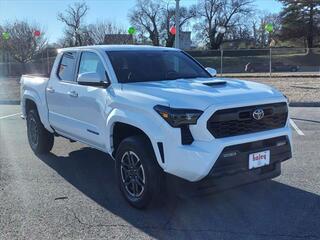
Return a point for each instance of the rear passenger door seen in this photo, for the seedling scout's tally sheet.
(57, 92)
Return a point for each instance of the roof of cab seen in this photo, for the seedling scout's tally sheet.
(118, 48)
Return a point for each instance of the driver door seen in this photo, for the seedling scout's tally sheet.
(88, 104)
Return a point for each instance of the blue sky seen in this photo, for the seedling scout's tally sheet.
(45, 12)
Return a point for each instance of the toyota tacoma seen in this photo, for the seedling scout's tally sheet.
(158, 113)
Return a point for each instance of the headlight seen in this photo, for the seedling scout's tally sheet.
(178, 117)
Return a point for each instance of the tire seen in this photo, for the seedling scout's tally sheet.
(139, 176)
(40, 140)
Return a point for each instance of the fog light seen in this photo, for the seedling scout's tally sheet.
(281, 143)
(229, 154)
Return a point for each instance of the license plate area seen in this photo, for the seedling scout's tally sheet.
(259, 159)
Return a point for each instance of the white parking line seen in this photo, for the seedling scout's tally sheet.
(4, 117)
(296, 128)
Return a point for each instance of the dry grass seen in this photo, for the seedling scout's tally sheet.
(295, 88)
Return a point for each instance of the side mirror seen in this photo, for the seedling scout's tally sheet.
(92, 79)
(211, 71)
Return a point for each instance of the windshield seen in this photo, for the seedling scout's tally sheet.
(145, 65)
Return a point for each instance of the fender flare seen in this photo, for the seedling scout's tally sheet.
(41, 107)
(146, 124)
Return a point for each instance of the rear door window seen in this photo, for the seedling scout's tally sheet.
(67, 66)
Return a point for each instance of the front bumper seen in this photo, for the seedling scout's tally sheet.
(232, 171)
(198, 160)
(234, 159)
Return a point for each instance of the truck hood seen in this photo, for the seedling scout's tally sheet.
(201, 93)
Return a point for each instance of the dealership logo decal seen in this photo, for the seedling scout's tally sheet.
(258, 114)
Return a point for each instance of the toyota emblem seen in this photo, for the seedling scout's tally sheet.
(258, 114)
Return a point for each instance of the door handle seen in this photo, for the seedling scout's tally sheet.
(73, 94)
(50, 89)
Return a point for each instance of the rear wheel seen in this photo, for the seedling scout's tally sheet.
(40, 140)
(139, 176)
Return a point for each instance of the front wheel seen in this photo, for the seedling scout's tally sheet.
(40, 140)
(139, 176)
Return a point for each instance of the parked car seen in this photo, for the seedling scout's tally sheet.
(275, 67)
(158, 113)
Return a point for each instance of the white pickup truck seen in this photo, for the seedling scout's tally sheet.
(158, 113)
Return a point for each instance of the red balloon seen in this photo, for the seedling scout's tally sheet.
(37, 33)
(173, 30)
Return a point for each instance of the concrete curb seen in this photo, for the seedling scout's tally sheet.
(9, 102)
(291, 104)
(272, 77)
(304, 104)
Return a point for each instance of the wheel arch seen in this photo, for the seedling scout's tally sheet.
(32, 100)
(122, 129)
(30, 104)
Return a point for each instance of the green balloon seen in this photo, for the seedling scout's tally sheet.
(269, 27)
(132, 30)
(5, 36)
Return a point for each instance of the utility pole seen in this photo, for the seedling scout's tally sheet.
(221, 30)
(177, 23)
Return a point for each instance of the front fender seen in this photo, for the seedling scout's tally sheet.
(146, 123)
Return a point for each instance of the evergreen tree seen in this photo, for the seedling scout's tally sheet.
(300, 20)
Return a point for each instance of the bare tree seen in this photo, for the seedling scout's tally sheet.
(301, 20)
(99, 30)
(22, 44)
(168, 20)
(215, 13)
(146, 16)
(74, 20)
(157, 17)
(260, 36)
(241, 31)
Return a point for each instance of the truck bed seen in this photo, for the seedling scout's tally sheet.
(34, 87)
(35, 76)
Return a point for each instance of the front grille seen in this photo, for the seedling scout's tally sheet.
(239, 121)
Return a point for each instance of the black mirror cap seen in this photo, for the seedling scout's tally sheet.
(103, 84)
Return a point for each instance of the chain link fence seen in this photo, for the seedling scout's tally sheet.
(41, 64)
(294, 71)
(262, 62)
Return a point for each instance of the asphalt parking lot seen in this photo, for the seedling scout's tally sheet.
(71, 194)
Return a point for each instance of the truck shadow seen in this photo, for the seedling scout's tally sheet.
(265, 210)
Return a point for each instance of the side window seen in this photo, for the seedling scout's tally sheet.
(90, 62)
(67, 66)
